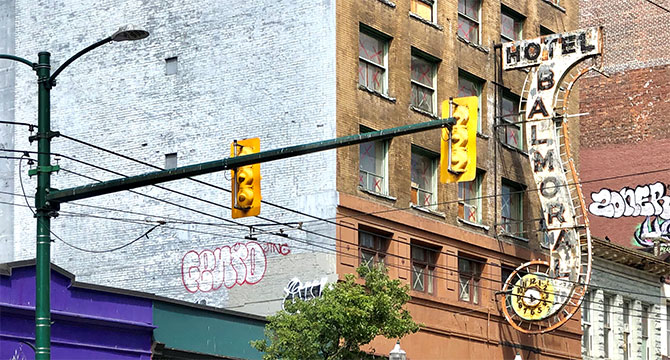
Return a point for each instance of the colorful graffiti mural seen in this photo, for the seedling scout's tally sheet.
(649, 229)
(644, 200)
(227, 266)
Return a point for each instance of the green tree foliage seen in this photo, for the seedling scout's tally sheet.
(335, 325)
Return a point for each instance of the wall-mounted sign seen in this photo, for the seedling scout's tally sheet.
(551, 57)
(564, 47)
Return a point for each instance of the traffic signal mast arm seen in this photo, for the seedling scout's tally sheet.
(55, 197)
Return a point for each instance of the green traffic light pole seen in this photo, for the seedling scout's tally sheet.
(44, 209)
(107, 187)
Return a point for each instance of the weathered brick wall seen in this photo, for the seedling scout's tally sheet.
(359, 107)
(635, 32)
(263, 69)
(628, 108)
(622, 139)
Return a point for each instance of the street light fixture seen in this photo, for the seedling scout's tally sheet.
(43, 209)
(397, 353)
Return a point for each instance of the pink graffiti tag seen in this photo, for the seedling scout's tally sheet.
(228, 266)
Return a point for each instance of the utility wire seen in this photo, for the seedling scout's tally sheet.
(73, 246)
(313, 244)
(659, 6)
(351, 243)
(288, 209)
(435, 275)
(32, 126)
(335, 239)
(166, 218)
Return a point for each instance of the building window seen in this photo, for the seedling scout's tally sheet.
(424, 8)
(511, 25)
(469, 199)
(667, 328)
(607, 325)
(424, 71)
(545, 31)
(423, 268)
(586, 324)
(469, 85)
(511, 121)
(424, 176)
(645, 332)
(512, 208)
(469, 275)
(171, 65)
(468, 20)
(372, 60)
(372, 247)
(372, 175)
(626, 329)
(170, 161)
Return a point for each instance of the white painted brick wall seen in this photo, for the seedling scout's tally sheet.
(624, 283)
(253, 69)
(7, 70)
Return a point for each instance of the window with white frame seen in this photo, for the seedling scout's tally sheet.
(469, 85)
(424, 73)
(512, 208)
(372, 247)
(372, 60)
(469, 276)
(424, 259)
(469, 199)
(469, 19)
(645, 333)
(607, 325)
(511, 25)
(511, 122)
(424, 178)
(424, 8)
(626, 330)
(586, 324)
(372, 166)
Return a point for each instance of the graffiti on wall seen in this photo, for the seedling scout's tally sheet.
(643, 200)
(275, 248)
(649, 230)
(295, 289)
(239, 264)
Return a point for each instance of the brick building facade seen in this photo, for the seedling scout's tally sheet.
(453, 252)
(623, 132)
(291, 73)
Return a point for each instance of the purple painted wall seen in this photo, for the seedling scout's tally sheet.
(89, 322)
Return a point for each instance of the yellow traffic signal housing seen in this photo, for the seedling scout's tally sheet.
(246, 180)
(458, 148)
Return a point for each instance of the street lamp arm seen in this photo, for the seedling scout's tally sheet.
(52, 78)
(19, 59)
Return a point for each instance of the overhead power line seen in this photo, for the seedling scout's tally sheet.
(276, 222)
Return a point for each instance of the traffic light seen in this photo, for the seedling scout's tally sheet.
(246, 180)
(458, 155)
